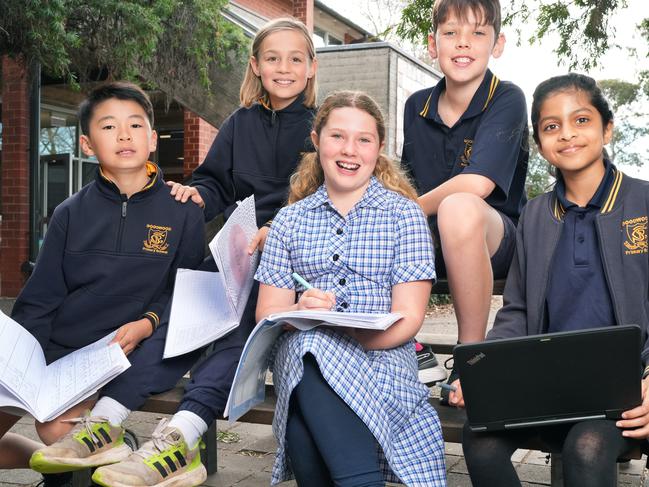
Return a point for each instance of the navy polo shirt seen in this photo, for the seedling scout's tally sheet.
(578, 295)
(490, 139)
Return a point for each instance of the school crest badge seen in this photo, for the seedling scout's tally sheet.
(156, 241)
(466, 155)
(636, 235)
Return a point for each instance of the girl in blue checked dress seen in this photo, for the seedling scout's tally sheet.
(350, 409)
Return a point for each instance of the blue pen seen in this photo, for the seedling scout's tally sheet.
(448, 387)
(300, 280)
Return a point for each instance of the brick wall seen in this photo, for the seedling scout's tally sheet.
(269, 8)
(300, 9)
(303, 10)
(198, 139)
(14, 175)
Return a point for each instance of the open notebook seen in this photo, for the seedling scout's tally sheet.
(248, 387)
(46, 391)
(208, 305)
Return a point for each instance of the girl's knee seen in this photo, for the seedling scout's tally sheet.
(587, 443)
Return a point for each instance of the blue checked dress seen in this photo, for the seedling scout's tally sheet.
(383, 241)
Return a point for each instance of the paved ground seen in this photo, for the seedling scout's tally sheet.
(246, 451)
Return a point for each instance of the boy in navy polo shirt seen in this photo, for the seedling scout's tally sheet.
(108, 264)
(465, 144)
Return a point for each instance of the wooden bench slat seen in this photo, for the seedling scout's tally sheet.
(441, 287)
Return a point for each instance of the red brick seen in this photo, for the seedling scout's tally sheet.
(14, 174)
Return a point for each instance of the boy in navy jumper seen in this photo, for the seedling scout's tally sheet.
(108, 264)
(465, 144)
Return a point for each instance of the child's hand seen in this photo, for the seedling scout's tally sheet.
(456, 398)
(258, 240)
(130, 334)
(638, 417)
(183, 193)
(316, 299)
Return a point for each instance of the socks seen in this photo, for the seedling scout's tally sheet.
(190, 425)
(111, 409)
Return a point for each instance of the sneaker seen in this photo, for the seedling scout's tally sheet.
(165, 461)
(92, 442)
(430, 372)
(452, 377)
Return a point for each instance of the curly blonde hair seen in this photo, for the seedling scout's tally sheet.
(308, 176)
(252, 89)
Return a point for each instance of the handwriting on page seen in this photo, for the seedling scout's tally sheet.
(229, 249)
(22, 363)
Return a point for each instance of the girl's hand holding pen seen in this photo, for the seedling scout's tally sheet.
(316, 299)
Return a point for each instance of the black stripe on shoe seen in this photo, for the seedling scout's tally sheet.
(181, 458)
(171, 464)
(89, 444)
(160, 469)
(104, 433)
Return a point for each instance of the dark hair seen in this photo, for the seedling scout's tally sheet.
(121, 90)
(569, 82)
(487, 12)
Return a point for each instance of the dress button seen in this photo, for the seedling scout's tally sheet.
(345, 305)
(580, 239)
(335, 257)
(342, 282)
(339, 231)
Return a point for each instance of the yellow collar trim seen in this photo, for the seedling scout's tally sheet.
(151, 170)
(559, 210)
(612, 195)
(424, 112)
(492, 89)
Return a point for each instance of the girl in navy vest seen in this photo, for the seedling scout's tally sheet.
(580, 262)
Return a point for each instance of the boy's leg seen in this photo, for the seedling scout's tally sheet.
(15, 450)
(471, 233)
(205, 397)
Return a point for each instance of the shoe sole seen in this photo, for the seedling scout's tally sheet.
(431, 376)
(42, 464)
(187, 479)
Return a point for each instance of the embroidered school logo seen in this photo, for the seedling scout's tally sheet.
(156, 241)
(636, 235)
(466, 155)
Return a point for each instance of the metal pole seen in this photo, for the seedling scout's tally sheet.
(34, 159)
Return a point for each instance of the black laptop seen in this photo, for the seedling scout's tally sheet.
(550, 379)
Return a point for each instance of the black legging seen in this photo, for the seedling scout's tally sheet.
(589, 452)
(328, 444)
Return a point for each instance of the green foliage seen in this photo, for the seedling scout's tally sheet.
(539, 179)
(630, 124)
(126, 37)
(582, 26)
(439, 299)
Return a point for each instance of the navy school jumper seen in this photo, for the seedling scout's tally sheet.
(255, 152)
(106, 261)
